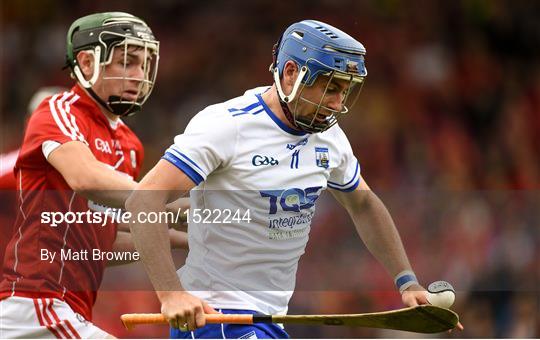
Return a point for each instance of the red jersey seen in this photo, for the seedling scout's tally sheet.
(7, 198)
(64, 117)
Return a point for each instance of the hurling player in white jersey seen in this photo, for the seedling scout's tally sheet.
(263, 159)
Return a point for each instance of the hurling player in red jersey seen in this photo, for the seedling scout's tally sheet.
(77, 159)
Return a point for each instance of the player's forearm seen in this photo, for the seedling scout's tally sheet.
(123, 243)
(179, 208)
(109, 198)
(89, 177)
(152, 240)
(105, 186)
(378, 231)
(179, 239)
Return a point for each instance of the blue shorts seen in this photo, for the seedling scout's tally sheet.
(230, 331)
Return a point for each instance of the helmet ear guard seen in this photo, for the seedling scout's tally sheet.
(317, 49)
(96, 52)
(288, 98)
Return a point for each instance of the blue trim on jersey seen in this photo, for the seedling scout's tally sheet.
(278, 121)
(232, 331)
(348, 189)
(245, 113)
(174, 149)
(257, 112)
(349, 182)
(184, 167)
(347, 186)
(240, 113)
(247, 108)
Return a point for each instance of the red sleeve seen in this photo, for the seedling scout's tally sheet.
(54, 120)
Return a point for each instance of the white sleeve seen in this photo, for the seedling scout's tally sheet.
(346, 175)
(208, 142)
(49, 146)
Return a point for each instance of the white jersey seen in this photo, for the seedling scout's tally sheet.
(243, 158)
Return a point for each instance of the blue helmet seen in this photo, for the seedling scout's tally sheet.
(321, 48)
(318, 49)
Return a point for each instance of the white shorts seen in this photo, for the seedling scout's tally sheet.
(44, 318)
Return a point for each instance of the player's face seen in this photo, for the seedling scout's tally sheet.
(124, 76)
(329, 92)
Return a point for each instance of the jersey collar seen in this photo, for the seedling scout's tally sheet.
(278, 121)
(92, 108)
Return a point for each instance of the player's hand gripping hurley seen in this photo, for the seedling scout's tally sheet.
(419, 319)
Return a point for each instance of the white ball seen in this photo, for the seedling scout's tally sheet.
(441, 294)
(443, 299)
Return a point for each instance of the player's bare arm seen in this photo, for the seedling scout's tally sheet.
(163, 184)
(96, 181)
(378, 231)
(124, 243)
(180, 206)
(179, 238)
(89, 177)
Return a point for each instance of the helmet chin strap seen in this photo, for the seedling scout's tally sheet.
(288, 114)
(114, 104)
(122, 108)
(284, 99)
(100, 101)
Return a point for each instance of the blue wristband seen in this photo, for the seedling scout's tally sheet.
(405, 279)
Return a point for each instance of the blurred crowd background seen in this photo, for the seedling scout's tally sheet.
(447, 131)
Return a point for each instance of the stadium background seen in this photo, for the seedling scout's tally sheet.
(447, 131)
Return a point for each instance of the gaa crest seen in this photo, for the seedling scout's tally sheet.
(321, 157)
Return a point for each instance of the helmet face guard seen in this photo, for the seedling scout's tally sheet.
(324, 55)
(150, 55)
(100, 34)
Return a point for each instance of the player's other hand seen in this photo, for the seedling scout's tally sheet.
(184, 311)
(416, 295)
